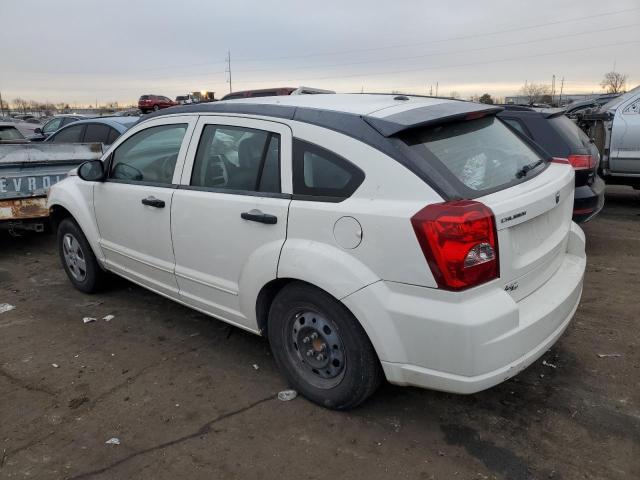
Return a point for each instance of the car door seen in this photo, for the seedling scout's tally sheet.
(133, 205)
(229, 215)
(625, 138)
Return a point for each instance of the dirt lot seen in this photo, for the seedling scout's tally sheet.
(181, 392)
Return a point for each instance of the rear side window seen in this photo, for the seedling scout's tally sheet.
(96, 133)
(318, 172)
(113, 135)
(483, 154)
(569, 131)
(10, 133)
(238, 159)
(69, 135)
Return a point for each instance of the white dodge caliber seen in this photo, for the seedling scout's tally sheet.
(367, 236)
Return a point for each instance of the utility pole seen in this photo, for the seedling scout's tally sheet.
(1, 106)
(436, 89)
(561, 87)
(431, 90)
(229, 70)
(553, 87)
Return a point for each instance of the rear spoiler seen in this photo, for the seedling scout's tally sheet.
(429, 115)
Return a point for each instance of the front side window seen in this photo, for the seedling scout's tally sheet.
(69, 135)
(52, 125)
(483, 154)
(319, 172)
(237, 158)
(149, 156)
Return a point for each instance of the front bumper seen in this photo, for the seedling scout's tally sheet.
(469, 341)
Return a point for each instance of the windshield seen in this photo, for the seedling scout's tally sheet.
(622, 98)
(483, 154)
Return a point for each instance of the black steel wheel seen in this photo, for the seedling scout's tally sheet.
(322, 348)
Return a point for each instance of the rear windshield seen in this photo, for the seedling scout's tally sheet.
(145, 97)
(483, 154)
(10, 133)
(569, 131)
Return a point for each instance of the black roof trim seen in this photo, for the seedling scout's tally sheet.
(428, 115)
(369, 130)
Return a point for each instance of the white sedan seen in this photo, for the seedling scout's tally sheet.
(367, 236)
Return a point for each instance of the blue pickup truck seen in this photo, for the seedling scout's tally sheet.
(26, 173)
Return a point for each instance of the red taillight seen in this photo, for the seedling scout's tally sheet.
(460, 242)
(582, 162)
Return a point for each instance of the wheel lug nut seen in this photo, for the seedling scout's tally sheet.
(320, 357)
(314, 335)
(323, 347)
(306, 340)
(309, 353)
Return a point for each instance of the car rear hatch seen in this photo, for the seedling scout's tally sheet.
(533, 220)
(531, 197)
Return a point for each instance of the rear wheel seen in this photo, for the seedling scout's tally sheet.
(78, 259)
(321, 348)
(156, 108)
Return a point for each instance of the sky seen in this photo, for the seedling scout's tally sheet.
(83, 51)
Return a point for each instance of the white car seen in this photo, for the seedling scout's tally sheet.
(367, 236)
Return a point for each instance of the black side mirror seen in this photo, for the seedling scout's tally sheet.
(38, 131)
(92, 171)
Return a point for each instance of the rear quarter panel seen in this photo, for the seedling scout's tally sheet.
(383, 205)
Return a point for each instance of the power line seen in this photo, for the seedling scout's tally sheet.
(448, 39)
(421, 69)
(452, 52)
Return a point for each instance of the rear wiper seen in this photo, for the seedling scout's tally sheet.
(527, 168)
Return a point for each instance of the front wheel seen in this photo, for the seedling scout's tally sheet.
(78, 259)
(321, 348)
(156, 108)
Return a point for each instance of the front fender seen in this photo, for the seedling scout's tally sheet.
(76, 196)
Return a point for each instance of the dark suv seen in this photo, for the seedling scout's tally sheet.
(560, 137)
(148, 103)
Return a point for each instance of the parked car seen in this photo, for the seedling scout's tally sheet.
(367, 236)
(42, 133)
(186, 99)
(148, 103)
(271, 92)
(103, 130)
(573, 110)
(615, 129)
(560, 137)
(10, 134)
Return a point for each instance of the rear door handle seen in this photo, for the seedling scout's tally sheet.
(258, 216)
(153, 202)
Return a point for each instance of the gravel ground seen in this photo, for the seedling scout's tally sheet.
(190, 397)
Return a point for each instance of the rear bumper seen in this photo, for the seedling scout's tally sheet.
(588, 200)
(467, 342)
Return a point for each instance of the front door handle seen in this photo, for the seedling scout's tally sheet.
(153, 202)
(258, 216)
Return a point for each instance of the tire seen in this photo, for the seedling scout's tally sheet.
(78, 259)
(156, 108)
(349, 371)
